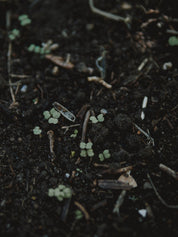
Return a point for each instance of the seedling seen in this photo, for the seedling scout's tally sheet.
(37, 130)
(100, 118)
(173, 41)
(72, 154)
(24, 20)
(15, 33)
(61, 192)
(38, 50)
(105, 155)
(52, 116)
(86, 149)
(78, 215)
(74, 135)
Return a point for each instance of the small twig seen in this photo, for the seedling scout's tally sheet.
(87, 216)
(117, 171)
(9, 53)
(143, 63)
(70, 126)
(85, 123)
(150, 139)
(101, 81)
(159, 197)
(169, 171)
(107, 14)
(50, 134)
(119, 202)
(19, 76)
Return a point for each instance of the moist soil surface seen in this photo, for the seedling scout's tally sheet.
(132, 57)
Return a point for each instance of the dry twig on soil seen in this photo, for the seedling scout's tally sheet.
(169, 171)
(159, 197)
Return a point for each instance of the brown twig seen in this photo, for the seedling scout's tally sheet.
(85, 123)
(169, 171)
(50, 134)
(100, 80)
(119, 202)
(107, 14)
(87, 216)
(159, 197)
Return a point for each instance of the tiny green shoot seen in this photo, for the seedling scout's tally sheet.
(52, 116)
(173, 41)
(78, 215)
(104, 155)
(37, 130)
(86, 149)
(100, 118)
(14, 34)
(61, 192)
(74, 135)
(24, 20)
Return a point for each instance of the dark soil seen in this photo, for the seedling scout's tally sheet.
(27, 168)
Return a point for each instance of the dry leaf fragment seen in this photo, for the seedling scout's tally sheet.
(59, 61)
(127, 179)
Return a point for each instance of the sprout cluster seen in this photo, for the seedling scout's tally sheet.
(15, 33)
(74, 135)
(78, 215)
(86, 149)
(37, 130)
(173, 41)
(105, 155)
(99, 118)
(52, 116)
(24, 20)
(38, 50)
(61, 192)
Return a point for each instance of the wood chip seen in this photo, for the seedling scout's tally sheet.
(113, 184)
(59, 61)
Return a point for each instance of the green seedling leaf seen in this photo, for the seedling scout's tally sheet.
(100, 118)
(173, 41)
(106, 154)
(37, 49)
(51, 192)
(22, 17)
(16, 32)
(82, 145)
(67, 193)
(93, 119)
(89, 145)
(75, 131)
(101, 157)
(83, 153)
(61, 187)
(37, 130)
(54, 113)
(46, 114)
(53, 121)
(78, 215)
(12, 37)
(90, 153)
(25, 22)
(31, 48)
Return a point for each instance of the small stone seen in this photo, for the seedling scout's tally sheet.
(55, 71)
(90, 27)
(167, 66)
